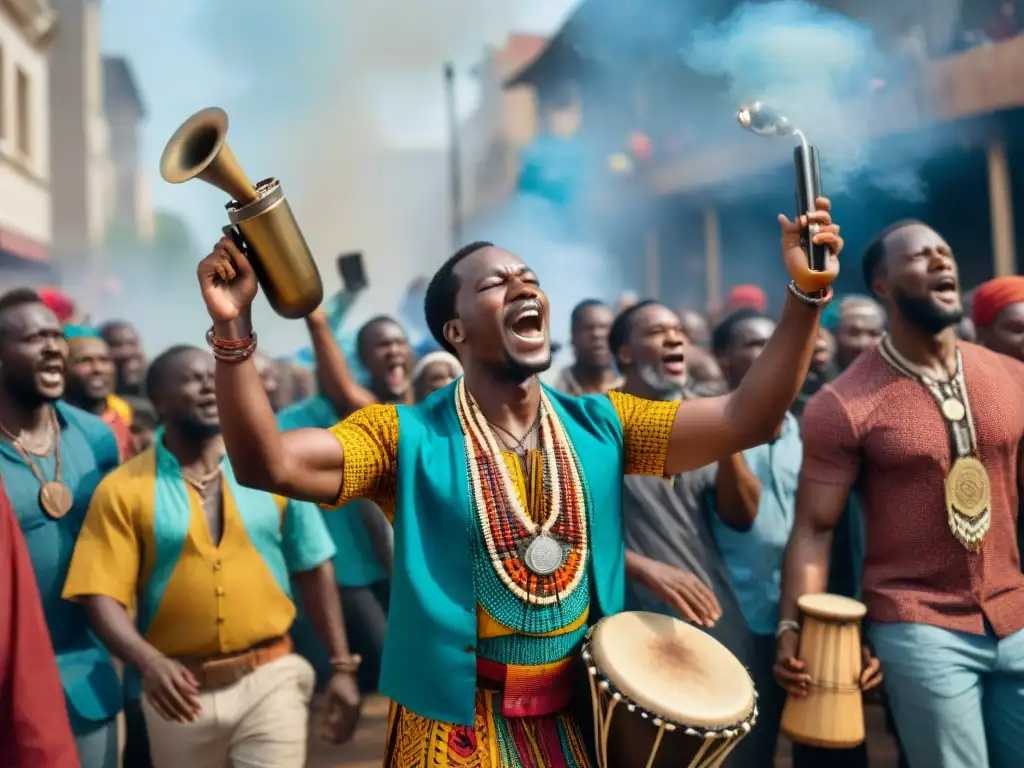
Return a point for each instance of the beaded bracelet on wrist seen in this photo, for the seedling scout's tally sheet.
(347, 665)
(787, 625)
(819, 298)
(232, 350)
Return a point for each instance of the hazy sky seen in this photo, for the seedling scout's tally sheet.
(183, 55)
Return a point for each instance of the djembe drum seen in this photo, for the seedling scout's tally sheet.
(831, 715)
(664, 694)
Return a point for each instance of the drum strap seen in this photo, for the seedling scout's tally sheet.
(712, 753)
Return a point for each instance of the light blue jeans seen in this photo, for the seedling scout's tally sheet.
(958, 699)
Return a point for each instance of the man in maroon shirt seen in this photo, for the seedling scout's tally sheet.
(34, 728)
(927, 427)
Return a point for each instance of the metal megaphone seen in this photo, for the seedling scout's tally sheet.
(262, 223)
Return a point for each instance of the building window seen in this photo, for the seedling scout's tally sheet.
(24, 107)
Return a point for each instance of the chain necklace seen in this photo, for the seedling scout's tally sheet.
(519, 447)
(55, 497)
(967, 486)
(202, 483)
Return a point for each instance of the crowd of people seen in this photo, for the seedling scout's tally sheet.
(166, 565)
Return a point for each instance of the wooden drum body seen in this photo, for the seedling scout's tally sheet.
(832, 713)
(664, 694)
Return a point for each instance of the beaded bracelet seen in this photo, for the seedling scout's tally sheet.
(823, 297)
(347, 665)
(787, 625)
(232, 350)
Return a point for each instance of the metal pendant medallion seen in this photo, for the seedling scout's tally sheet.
(543, 555)
(953, 409)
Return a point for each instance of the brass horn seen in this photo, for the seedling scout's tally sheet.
(262, 222)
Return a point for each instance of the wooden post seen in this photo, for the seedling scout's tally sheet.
(713, 257)
(652, 254)
(1004, 260)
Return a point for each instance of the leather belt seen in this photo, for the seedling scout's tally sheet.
(222, 671)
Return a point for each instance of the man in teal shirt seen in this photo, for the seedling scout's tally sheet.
(52, 457)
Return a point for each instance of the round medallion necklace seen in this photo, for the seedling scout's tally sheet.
(55, 498)
(541, 553)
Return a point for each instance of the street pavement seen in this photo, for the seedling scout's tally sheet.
(366, 750)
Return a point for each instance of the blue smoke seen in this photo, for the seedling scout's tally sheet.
(824, 72)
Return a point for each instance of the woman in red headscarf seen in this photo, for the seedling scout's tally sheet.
(998, 311)
(34, 728)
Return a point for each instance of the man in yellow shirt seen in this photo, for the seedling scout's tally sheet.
(207, 563)
(505, 495)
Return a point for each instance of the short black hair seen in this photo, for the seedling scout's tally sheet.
(622, 326)
(439, 303)
(873, 260)
(724, 333)
(163, 365)
(579, 309)
(16, 297)
(364, 332)
(108, 328)
(143, 411)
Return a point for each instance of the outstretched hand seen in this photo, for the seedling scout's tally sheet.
(795, 257)
(227, 281)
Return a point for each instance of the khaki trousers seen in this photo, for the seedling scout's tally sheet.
(259, 722)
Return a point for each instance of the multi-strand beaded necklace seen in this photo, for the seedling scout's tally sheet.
(540, 563)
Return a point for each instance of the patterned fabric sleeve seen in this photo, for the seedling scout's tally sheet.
(369, 438)
(832, 452)
(646, 428)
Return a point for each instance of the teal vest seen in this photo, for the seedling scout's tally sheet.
(429, 663)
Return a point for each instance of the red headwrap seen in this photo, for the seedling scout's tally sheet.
(993, 297)
(747, 297)
(61, 304)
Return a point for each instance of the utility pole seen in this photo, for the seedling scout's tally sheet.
(454, 157)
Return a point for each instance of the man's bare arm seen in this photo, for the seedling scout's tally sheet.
(737, 493)
(819, 507)
(333, 374)
(709, 428)
(305, 464)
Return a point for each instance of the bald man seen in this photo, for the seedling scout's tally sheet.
(860, 327)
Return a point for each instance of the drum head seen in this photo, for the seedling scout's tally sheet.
(673, 670)
(832, 607)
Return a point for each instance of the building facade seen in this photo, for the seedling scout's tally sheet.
(83, 176)
(26, 31)
(505, 122)
(124, 112)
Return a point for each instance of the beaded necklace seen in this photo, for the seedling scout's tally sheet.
(507, 529)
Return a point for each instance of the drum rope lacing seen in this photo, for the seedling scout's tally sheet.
(717, 744)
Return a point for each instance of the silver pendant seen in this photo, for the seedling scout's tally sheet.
(953, 409)
(544, 555)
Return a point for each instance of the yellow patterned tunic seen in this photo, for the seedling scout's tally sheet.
(370, 441)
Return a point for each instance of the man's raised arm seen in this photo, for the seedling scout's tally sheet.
(709, 429)
(303, 464)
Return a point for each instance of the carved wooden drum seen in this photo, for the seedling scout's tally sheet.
(664, 694)
(832, 713)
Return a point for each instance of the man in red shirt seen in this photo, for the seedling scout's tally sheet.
(34, 728)
(927, 428)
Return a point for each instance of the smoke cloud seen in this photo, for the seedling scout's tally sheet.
(823, 71)
(343, 100)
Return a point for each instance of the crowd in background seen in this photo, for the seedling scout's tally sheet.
(92, 430)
